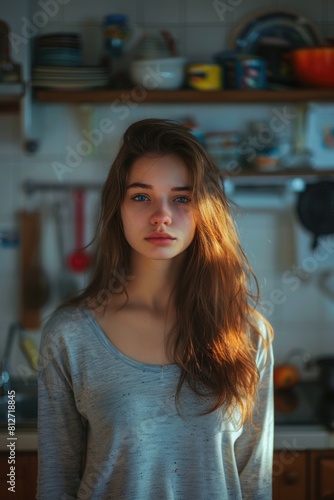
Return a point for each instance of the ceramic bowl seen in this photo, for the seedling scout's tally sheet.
(153, 74)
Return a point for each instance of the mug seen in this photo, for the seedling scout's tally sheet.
(204, 76)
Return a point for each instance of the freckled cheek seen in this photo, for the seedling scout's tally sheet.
(186, 222)
(129, 213)
(127, 221)
(132, 221)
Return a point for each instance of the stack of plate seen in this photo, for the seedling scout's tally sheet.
(59, 49)
(82, 77)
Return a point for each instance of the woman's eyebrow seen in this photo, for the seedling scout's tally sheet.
(148, 186)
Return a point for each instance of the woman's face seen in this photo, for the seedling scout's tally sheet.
(157, 210)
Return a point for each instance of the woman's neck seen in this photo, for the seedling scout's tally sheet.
(153, 282)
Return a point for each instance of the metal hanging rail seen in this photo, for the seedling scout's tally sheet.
(30, 187)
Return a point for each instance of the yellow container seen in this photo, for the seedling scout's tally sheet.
(204, 76)
(30, 350)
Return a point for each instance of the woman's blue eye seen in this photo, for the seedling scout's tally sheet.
(140, 196)
(143, 197)
(184, 199)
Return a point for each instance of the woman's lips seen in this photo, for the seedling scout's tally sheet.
(160, 240)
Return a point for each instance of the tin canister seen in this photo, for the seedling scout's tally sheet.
(245, 72)
(205, 76)
(115, 33)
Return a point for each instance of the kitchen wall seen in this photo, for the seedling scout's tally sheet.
(276, 245)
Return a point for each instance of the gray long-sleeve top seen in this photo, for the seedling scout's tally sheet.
(108, 427)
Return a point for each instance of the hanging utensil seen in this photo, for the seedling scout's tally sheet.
(9, 71)
(79, 260)
(326, 365)
(315, 208)
(326, 282)
(35, 289)
(66, 284)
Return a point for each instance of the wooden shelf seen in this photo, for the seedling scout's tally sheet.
(12, 106)
(250, 177)
(10, 97)
(246, 176)
(303, 172)
(143, 96)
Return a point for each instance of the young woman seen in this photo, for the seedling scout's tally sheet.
(156, 382)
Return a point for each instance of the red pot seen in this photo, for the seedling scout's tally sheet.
(313, 67)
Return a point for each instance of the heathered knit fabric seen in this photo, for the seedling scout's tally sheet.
(118, 415)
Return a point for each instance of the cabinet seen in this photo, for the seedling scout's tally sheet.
(25, 476)
(303, 475)
(289, 475)
(322, 475)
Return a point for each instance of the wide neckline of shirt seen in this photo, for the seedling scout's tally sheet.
(119, 354)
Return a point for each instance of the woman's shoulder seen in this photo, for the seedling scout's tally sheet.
(61, 338)
(63, 322)
(261, 337)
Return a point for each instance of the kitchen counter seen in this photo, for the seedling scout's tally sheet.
(26, 440)
(296, 437)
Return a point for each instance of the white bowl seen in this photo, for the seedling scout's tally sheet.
(167, 73)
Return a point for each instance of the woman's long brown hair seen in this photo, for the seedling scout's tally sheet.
(215, 308)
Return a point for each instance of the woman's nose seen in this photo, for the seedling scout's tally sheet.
(161, 216)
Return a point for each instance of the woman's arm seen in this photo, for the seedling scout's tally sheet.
(61, 428)
(254, 448)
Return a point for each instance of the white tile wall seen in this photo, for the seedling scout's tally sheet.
(9, 292)
(41, 10)
(312, 10)
(78, 11)
(160, 11)
(306, 318)
(10, 138)
(200, 48)
(305, 335)
(7, 169)
(259, 235)
(330, 11)
(16, 16)
(202, 12)
(244, 9)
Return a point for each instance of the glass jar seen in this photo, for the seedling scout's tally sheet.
(115, 33)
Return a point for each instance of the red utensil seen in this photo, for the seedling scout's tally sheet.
(79, 260)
